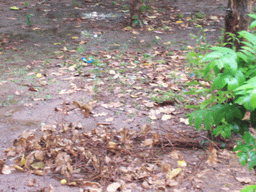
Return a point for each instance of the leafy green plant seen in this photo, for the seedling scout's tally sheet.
(80, 49)
(76, 4)
(232, 93)
(200, 15)
(194, 56)
(144, 7)
(251, 188)
(26, 3)
(136, 21)
(28, 20)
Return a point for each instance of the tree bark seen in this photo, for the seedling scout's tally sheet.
(135, 10)
(236, 20)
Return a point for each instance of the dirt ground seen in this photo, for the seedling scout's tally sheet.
(42, 74)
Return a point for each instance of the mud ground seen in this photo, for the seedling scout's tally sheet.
(29, 50)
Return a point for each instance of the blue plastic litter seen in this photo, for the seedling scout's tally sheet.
(87, 60)
(90, 60)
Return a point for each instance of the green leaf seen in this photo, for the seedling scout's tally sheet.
(191, 106)
(252, 15)
(205, 103)
(198, 120)
(248, 138)
(243, 157)
(251, 188)
(253, 24)
(253, 118)
(209, 67)
(252, 161)
(253, 100)
(219, 82)
(232, 84)
(248, 36)
(208, 120)
(14, 8)
(219, 114)
(223, 130)
(240, 77)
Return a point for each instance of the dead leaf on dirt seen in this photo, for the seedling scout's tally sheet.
(32, 89)
(171, 183)
(224, 154)
(63, 181)
(214, 18)
(73, 183)
(38, 165)
(166, 109)
(185, 121)
(166, 117)
(176, 155)
(112, 72)
(29, 160)
(145, 129)
(247, 116)
(174, 173)
(128, 121)
(17, 92)
(147, 142)
(5, 169)
(69, 92)
(85, 108)
(148, 104)
(112, 105)
(243, 180)
(38, 172)
(51, 188)
(153, 114)
(17, 167)
(71, 68)
(100, 114)
(3, 82)
(109, 119)
(30, 183)
(112, 144)
(182, 163)
(212, 159)
(113, 187)
(82, 42)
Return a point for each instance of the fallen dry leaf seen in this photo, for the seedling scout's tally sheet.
(109, 119)
(245, 180)
(6, 170)
(185, 121)
(182, 163)
(174, 173)
(147, 142)
(212, 159)
(113, 187)
(148, 104)
(166, 117)
(176, 155)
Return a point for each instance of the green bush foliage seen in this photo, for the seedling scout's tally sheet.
(232, 93)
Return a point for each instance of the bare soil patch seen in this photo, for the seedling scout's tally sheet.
(109, 101)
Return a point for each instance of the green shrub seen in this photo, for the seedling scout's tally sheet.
(232, 92)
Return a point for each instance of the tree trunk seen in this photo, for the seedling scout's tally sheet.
(135, 12)
(236, 19)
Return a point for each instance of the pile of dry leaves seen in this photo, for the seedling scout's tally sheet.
(95, 160)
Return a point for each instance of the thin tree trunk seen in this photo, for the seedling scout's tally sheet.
(135, 10)
(236, 19)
